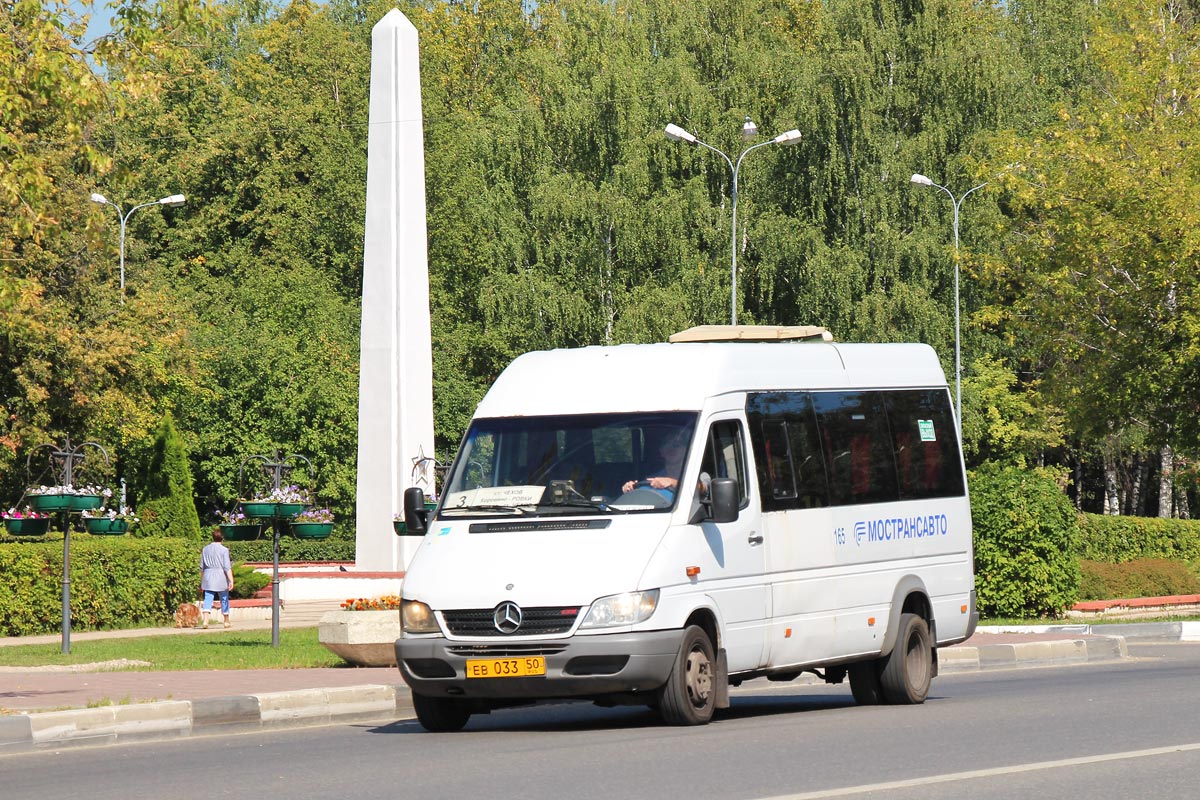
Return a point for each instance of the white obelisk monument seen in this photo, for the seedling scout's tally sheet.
(395, 385)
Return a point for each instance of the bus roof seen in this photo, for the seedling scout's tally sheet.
(676, 377)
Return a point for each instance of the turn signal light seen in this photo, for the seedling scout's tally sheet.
(871, 622)
(692, 571)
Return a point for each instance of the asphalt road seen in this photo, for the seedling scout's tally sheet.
(1119, 730)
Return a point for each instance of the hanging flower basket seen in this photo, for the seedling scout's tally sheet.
(104, 526)
(260, 508)
(242, 532)
(47, 503)
(312, 530)
(27, 526)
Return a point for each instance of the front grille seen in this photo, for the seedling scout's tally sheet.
(508, 650)
(534, 622)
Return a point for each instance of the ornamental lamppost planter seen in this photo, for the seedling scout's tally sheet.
(65, 498)
(281, 504)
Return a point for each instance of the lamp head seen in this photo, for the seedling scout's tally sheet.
(749, 130)
(788, 137)
(99, 198)
(174, 201)
(920, 180)
(678, 134)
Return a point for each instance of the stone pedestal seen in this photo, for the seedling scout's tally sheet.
(364, 638)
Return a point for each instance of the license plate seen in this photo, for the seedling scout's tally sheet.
(506, 667)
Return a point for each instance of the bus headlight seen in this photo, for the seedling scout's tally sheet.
(628, 608)
(416, 617)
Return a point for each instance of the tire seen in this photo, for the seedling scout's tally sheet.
(440, 714)
(908, 670)
(864, 683)
(689, 695)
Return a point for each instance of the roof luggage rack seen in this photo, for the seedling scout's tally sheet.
(753, 333)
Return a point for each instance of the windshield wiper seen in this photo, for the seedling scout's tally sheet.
(486, 507)
(597, 505)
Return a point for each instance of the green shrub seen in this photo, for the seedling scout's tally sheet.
(167, 506)
(338, 547)
(246, 581)
(1143, 577)
(115, 583)
(1025, 535)
(1118, 539)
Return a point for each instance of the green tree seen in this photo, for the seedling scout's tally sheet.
(166, 503)
(1101, 282)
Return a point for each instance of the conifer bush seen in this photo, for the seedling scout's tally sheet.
(1025, 543)
(167, 506)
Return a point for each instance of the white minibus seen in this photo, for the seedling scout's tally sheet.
(652, 524)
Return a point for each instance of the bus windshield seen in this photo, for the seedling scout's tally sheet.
(586, 463)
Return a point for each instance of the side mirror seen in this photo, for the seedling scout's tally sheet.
(415, 515)
(724, 494)
(717, 503)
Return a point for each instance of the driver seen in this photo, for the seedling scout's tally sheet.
(664, 476)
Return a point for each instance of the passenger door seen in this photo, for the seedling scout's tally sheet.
(738, 587)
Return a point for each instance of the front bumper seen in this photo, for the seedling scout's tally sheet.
(581, 666)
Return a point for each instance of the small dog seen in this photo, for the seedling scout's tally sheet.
(187, 615)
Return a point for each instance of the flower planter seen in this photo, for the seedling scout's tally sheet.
(364, 638)
(64, 502)
(312, 530)
(27, 526)
(103, 526)
(254, 508)
(240, 533)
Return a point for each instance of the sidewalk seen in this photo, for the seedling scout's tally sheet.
(55, 706)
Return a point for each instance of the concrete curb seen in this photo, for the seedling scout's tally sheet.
(1159, 631)
(178, 718)
(1031, 654)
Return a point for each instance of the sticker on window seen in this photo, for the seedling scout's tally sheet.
(925, 426)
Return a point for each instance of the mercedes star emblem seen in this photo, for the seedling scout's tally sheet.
(507, 617)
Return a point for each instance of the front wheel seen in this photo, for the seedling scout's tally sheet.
(440, 714)
(689, 695)
(908, 669)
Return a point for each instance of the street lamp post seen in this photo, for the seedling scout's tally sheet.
(749, 130)
(173, 201)
(921, 180)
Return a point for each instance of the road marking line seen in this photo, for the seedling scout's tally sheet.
(986, 773)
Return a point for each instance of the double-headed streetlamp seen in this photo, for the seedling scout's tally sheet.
(921, 180)
(749, 131)
(173, 201)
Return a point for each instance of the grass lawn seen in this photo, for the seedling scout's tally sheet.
(298, 648)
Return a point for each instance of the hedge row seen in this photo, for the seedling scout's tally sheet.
(335, 548)
(1119, 539)
(1143, 577)
(115, 583)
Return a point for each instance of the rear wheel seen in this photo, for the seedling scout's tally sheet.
(689, 695)
(440, 714)
(864, 683)
(908, 669)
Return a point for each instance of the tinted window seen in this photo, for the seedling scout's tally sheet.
(857, 446)
(787, 449)
(926, 444)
